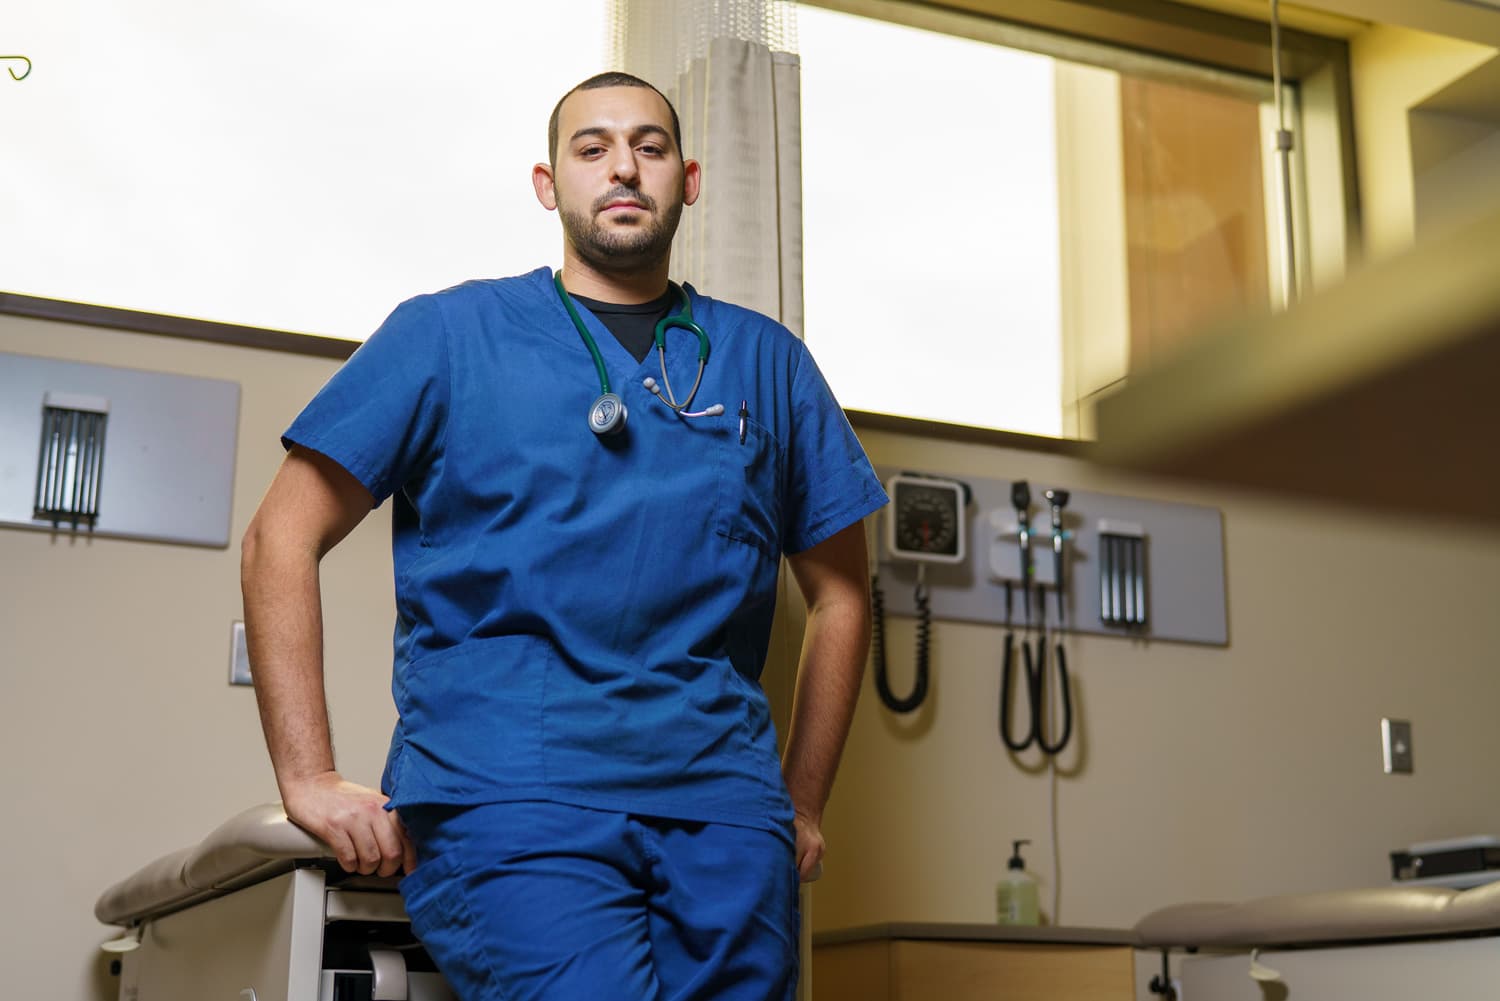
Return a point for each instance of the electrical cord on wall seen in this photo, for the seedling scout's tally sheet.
(1041, 715)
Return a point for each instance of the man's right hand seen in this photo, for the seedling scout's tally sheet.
(352, 820)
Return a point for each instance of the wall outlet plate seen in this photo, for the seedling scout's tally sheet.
(239, 656)
(1395, 740)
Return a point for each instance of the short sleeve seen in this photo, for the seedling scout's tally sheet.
(830, 483)
(382, 414)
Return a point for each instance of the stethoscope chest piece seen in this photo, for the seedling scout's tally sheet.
(607, 415)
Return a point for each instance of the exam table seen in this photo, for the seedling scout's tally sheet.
(259, 910)
(1377, 944)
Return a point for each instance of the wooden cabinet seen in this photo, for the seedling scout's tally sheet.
(971, 963)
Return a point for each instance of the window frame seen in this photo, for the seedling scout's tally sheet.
(1140, 37)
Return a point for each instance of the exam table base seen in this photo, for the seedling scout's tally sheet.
(269, 939)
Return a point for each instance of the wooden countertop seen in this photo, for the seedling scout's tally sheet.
(1382, 392)
(941, 931)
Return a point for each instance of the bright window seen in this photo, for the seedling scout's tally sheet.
(275, 163)
(930, 223)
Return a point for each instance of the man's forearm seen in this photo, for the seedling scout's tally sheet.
(312, 504)
(284, 636)
(834, 648)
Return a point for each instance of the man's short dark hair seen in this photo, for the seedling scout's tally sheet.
(613, 78)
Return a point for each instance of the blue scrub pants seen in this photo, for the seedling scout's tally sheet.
(537, 900)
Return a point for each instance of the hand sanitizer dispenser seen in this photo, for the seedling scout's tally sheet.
(1016, 895)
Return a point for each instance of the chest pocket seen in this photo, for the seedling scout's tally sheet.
(750, 485)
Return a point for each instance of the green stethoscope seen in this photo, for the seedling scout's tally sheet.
(608, 413)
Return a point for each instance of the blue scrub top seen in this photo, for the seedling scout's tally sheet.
(583, 620)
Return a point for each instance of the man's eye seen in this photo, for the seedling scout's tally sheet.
(651, 149)
(591, 151)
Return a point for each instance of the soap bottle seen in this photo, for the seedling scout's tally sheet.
(1015, 895)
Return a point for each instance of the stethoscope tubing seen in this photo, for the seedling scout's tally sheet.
(583, 332)
(683, 319)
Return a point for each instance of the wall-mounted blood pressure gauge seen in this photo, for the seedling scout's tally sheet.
(926, 519)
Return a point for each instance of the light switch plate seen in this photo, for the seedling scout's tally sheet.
(1395, 740)
(239, 657)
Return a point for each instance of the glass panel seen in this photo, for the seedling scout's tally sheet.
(1195, 210)
(930, 223)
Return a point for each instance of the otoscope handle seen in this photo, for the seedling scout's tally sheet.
(1020, 498)
(1058, 499)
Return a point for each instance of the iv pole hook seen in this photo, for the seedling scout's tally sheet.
(12, 69)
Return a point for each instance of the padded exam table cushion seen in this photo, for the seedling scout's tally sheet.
(1335, 916)
(249, 847)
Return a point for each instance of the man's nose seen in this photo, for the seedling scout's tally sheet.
(623, 168)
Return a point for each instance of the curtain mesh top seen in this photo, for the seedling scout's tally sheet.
(658, 39)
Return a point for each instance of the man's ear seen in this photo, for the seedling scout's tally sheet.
(546, 186)
(692, 180)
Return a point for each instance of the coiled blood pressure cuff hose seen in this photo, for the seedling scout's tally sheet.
(924, 641)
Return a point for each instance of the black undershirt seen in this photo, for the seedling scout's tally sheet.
(634, 326)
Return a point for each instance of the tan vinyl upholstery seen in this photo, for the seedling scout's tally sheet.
(1337, 916)
(248, 847)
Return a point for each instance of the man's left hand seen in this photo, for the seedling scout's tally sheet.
(810, 847)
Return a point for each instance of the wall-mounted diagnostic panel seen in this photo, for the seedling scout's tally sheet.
(1126, 566)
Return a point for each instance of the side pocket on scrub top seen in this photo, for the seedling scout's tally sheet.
(750, 486)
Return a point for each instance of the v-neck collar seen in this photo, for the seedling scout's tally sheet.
(633, 324)
(617, 360)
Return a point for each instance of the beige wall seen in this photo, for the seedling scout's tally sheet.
(1457, 169)
(121, 736)
(1199, 772)
(1393, 70)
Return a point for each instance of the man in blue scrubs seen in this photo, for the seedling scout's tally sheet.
(582, 788)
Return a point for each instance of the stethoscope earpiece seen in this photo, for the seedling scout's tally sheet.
(654, 389)
(607, 415)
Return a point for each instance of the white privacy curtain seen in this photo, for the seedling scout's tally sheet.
(730, 68)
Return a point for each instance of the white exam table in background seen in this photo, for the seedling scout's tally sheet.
(1382, 944)
(260, 911)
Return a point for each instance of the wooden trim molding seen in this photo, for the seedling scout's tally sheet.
(136, 321)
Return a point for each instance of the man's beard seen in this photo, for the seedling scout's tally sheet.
(622, 249)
